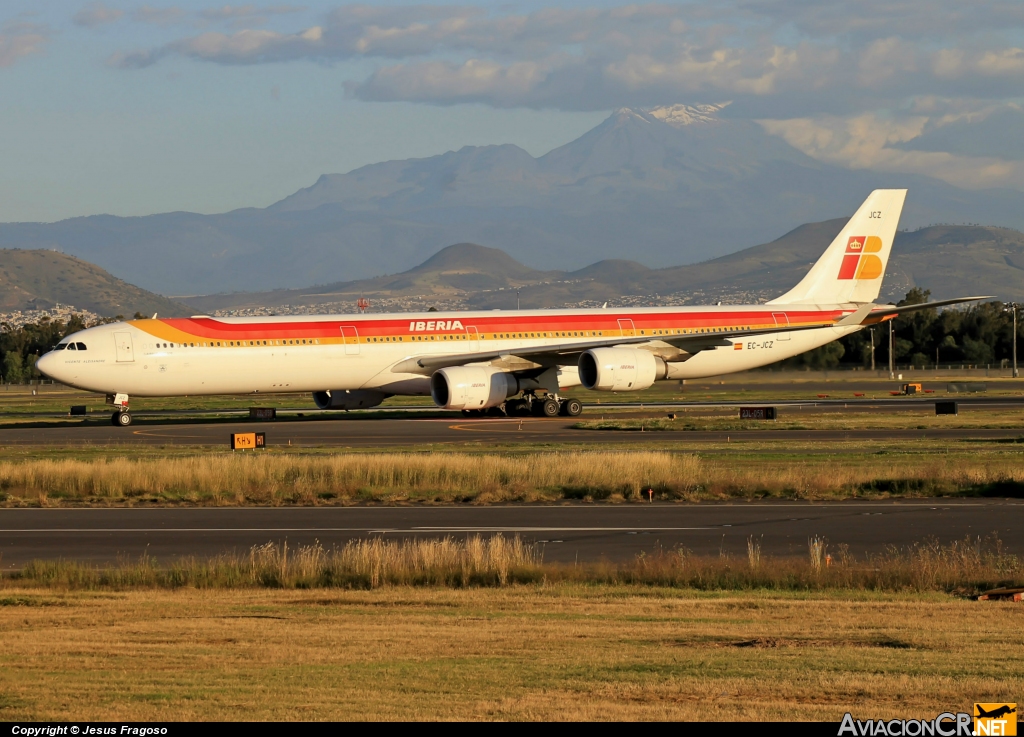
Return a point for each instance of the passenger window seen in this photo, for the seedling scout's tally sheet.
(81, 346)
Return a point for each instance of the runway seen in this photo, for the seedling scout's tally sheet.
(567, 533)
(367, 432)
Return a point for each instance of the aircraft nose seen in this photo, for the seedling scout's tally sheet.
(47, 365)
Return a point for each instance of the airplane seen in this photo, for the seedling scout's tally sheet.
(488, 363)
(995, 713)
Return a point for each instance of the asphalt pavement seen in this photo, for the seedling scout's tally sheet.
(567, 533)
(367, 431)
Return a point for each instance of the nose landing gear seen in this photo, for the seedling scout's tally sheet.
(120, 417)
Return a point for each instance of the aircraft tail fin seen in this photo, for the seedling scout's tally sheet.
(851, 269)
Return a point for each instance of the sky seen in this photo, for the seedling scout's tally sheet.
(130, 108)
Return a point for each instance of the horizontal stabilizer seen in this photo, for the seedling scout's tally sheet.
(886, 311)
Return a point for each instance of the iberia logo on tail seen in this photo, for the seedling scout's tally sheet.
(859, 262)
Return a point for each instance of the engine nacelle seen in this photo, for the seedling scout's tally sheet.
(471, 387)
(348, 398)
(619, 369)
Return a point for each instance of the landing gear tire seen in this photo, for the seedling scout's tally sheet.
(549, 408)
(572, 408)
(121, 419)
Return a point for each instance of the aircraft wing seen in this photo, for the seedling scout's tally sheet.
(569, 353)
(885, 312)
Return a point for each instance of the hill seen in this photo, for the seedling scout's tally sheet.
(662, 187)
(36, 280)
(951, 261)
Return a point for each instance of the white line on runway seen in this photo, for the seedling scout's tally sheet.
(560, 529)
(203, 529)
(356, 529)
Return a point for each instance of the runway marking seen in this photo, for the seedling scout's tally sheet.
(353, 529)
(152, 434)
(562, 529)
(513, 424)
(203, 529)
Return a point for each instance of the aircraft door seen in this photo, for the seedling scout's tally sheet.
(474, 338)
(350, 336)
(781, 320)
(123, 346)
(626, 328)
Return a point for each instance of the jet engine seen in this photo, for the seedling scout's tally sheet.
(348, 398)
(619, 369)
(471, 387)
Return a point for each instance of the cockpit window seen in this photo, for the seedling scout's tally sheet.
(71, 347)
(81, 346)
(60, 346)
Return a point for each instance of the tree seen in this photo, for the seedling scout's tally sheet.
(978, 334)
(13, 367)
(21, 347)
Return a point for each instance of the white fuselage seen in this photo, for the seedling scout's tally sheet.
(194, 356)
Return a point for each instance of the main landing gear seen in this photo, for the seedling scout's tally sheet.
(530, 405)
(120, 417)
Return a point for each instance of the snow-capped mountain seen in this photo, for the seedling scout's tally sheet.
(665, 186)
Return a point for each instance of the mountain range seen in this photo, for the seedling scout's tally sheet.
(40, 280)
(675, 185)
(951, 261)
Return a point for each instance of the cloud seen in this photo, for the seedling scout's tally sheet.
(242, 16)
(810, 56)
(251, 46)
(234, 12)
(993, 131)
(158, 16)
(879, 143)
(475, 80)
(96, 14)
(20, 39)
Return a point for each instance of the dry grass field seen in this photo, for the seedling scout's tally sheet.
(565, 651)
(292, 478)
(483, 629)
(963, 568)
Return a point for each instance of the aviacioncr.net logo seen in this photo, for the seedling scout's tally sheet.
(946, 724)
